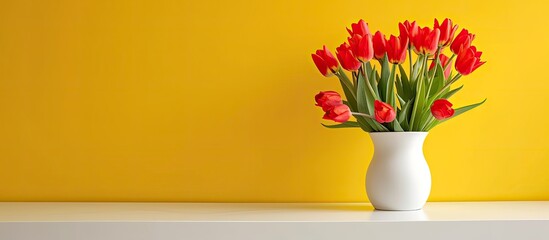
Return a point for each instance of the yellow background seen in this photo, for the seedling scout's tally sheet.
(213, 101)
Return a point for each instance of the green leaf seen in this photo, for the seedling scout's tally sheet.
(396, 126)
(437, 84)
(424, 117)
(405, 114)
(444, 88)
(404, 126)
(354, 82)
(364, 124)
(402, 73)
(350, 94)
(418, 105)
(407, 92)
(415, 70)
(457, 112)
(461, 110)
(350, 98)
(365, 101)
(400, 101)
(451, 92)
(368, 68)
(427, 119)
(432, 125)
(372, 90)
(438, 81)
(347, 87)
(390, 88)
(385, 74)
(361, 99)
(398, 84)
(415, 121)
(348, 124)
(370, 84)
(373, 81)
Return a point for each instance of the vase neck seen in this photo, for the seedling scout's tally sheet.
(398, 141)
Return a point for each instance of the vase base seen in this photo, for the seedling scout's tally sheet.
(398, 210)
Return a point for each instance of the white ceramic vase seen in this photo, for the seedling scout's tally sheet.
(398, 177)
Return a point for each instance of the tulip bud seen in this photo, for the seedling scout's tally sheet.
(463, 41)
(426, 41)
(447, 32)
(442, 109)
(327, 99)
(338, 113)
(408, 30)
(346, 58)
(379, 45)
(396, 49)
(362, 47)
(468, 60)
(325, 61)
(359, 28)
(444, 61)
(384, 113)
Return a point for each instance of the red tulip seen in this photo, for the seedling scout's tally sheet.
(346, 58)
(325, 61)
(338, 113)
(379, 45)
(359, 28)
(327, 99)
(396, 49)
(384, 112)
(468, 60)
(447, 32)
(408, 30)
(362, 47)
(444, 62)
(463, 41)
(426, 41)
(442, 109)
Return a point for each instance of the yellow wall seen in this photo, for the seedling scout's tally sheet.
(213, 101)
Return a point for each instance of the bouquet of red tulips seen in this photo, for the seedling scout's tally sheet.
(384, 96)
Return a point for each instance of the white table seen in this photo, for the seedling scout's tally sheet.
(280, 221)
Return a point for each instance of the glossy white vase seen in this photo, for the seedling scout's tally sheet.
(398, 177)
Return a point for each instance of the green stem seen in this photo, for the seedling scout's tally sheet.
(380, 127)
(390, 87)
(373, 124)
(418, 92)
(432, 125)
(427, 124)
(431, 100)
(345, 80)
(449, 61)
(368, 81)
(434, 72)
(410, 55)
(363, 115)
(355, 79)
(447, 86)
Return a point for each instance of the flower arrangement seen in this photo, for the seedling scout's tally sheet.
(384, 96)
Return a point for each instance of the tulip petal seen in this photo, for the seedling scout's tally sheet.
(320, 64)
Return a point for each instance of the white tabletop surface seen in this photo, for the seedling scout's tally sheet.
(272, 221)
(275, 212)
